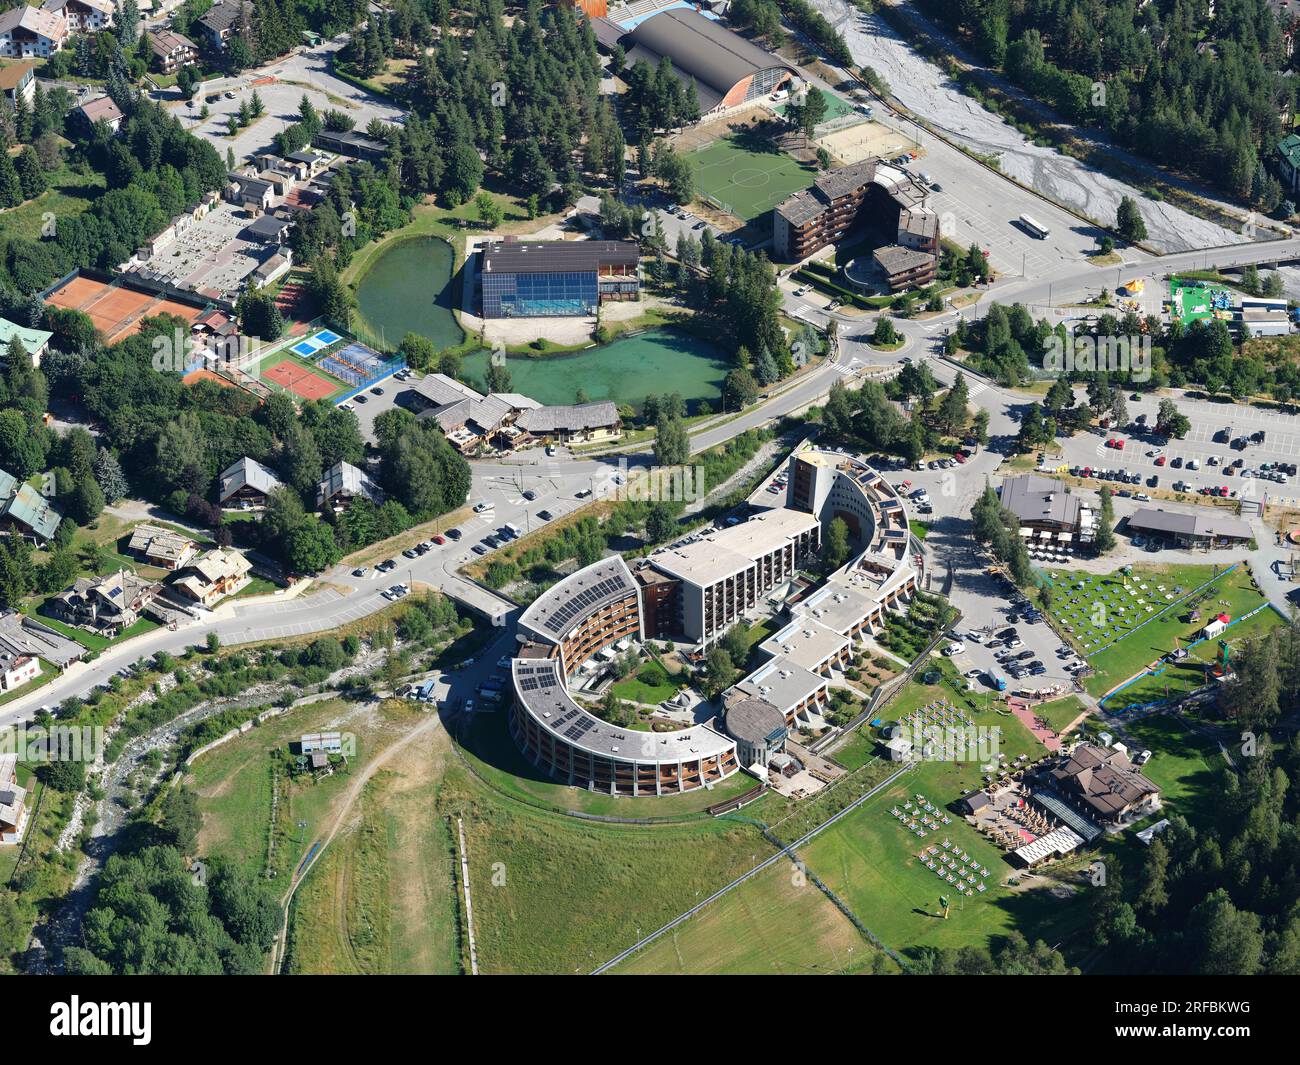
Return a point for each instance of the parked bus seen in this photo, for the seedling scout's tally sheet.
(1036, 228)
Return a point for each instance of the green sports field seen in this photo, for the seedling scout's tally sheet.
(747, 181)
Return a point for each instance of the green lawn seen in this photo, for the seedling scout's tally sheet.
(1112, 627)
(777, 923)
(650, 684)
(748, 175)
(69, 194)
(1183, 764)
(871, 859)
(1060, 712)
(554, 894)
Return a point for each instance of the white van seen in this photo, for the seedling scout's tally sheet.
(514, 530)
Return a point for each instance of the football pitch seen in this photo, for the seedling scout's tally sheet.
(746, 182)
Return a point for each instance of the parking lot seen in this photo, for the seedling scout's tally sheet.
(281, 85)
(989, 604)
(1247, 451)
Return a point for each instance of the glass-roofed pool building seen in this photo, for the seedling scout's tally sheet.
(556, 278)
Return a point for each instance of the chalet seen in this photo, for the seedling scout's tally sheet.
(82, 16)
(106, 605)
(35, 341)
(246, 484)
(222, 21)
(18, 82)
(31, 33)
(343, 483)
(584, 421)
(25, 511)
(164, 548)
(1046, 509)
(212, 577)
(171, 51)
(1102, 783)
(17, 670)
(101, 109)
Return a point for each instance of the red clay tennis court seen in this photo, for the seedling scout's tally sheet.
(301, 382)
(117, 310)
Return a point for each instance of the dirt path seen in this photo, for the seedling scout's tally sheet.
(348, 800)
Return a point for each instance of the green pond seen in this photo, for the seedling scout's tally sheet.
(409, 290)
(627, 371)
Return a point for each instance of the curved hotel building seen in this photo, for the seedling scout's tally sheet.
(697, 590)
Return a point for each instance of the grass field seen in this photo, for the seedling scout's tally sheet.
(749, 176)
(1183, 764)
(870, 859)
(554, 894)
(777, 923)
(383, 897)
(70, 193)
(1096, 609)
(1060, 712)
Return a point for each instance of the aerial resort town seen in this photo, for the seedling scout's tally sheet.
(662, 487)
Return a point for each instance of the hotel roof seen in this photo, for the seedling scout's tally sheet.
(782, 682)
(579, 595)
(542, 692)
(805, 642)
(728, 551)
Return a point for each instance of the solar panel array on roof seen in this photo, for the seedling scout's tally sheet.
(559, 621)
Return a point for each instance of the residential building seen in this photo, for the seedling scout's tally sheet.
(556, 278)
(343, 483)
(25, 511)
(905, 267)
(1047, 509)
(35, 341)
(17, 670)
(18, 82)
(100, 109)
(223, 20)
(107, 605)
(31, 33)
(1288, 162)
(586, 616)
(211, 577)
(13, 801)
(161, 547)
(82, 16)
(246, 484)
(172, 51)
